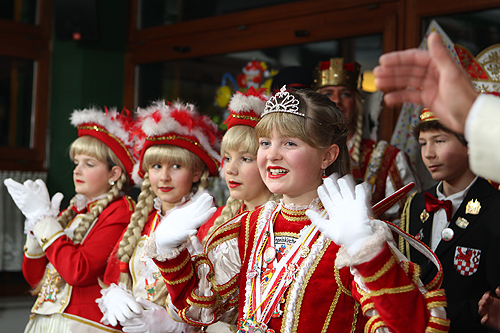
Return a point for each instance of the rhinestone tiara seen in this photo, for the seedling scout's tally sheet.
(289, 104)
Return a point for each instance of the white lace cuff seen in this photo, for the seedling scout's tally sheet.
(151, 251)
(370, 248)
(31, 221)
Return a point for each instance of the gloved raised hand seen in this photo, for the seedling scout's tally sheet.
(118, 304)
(154, 319)
(348, 222)
(33, 199)
(182, 223)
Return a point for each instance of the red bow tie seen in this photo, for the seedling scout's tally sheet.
(432, 205)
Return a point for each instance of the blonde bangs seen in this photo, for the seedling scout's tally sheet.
(240, 137)
(88, 145)
(173, 155)
(283, 124)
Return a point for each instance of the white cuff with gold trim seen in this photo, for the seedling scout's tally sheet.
(47, 231)
(32, 249)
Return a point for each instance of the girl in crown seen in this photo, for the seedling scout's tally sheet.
(239, 155)
(329, 270)
(178, 153)
(65, 255)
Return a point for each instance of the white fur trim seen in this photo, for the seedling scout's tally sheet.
(167, 124)
(107, 121)
(370, 248)
(240, 103)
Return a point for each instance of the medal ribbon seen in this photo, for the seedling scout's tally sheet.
(283, 275)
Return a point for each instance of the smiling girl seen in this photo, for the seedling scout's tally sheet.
(239, 155)
(178, 153)
(285, 274)
(65, 257)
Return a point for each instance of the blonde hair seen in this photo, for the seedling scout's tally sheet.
(96, 148)
(321, 127)
(145, 200)
(237, 137)
(240, 137)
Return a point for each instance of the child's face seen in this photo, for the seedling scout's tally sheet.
(243, 178)
(443, 155)
(290, 167)
(171, 182)
(91, 177)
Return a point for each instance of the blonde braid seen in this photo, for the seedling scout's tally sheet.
(358, 134)
(89, 218)
(67, 215)
(134, 229)
(228, 212)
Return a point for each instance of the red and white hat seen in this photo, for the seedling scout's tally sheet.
(114, 129)
(246, 107)
(178, 124)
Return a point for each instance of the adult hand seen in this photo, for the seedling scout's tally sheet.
(430, 78)
(154, 319)
(118, 305)
(348, 223)
(182, 223)
(489, 309)
(33, 199)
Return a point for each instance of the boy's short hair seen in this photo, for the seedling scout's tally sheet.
(434, 125)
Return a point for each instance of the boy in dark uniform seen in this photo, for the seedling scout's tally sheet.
(459, 219)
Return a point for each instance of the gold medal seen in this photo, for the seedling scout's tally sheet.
(462, 223)
(424, 216)
(473, 207)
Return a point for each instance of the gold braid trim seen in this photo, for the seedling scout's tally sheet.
(235, 233)
(339, 282)
(437, 321)
(434, 293)
(332, 308)
(302, 291)
(387, 266)
(181, 280)
(397, 290)
(404, 224)
(176, 268)
(373, 324)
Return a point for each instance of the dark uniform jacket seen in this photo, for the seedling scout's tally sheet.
(470, 260)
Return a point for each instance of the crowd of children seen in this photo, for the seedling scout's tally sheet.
(296, 248)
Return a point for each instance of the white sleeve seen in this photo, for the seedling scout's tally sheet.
(482, 131)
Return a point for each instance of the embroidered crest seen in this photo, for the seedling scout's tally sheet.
(473, 207)
(466, 260)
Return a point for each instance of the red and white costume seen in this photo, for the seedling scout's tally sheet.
(79, 265)
(386, 169)
(372, 294)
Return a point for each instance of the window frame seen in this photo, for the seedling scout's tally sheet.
(30, 42)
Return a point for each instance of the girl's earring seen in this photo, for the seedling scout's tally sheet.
(111, 181)
(324, 173)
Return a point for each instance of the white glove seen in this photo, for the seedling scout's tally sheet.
(118, 304)
(33, 199)
(182, 223)
(154, 319)
(347, 206)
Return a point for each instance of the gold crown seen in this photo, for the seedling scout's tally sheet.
(336, 73)
(427, 115)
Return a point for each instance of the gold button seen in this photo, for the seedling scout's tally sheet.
(63, 302)
(44, 240)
